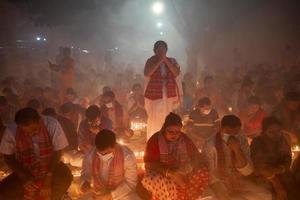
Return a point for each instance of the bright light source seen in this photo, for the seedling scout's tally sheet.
(85, 51)
(38, 38)
(158, 8)
(45, 39)
(161, 33)
(159, 24)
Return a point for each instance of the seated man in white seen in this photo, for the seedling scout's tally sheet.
(228, 155)
(111, 169)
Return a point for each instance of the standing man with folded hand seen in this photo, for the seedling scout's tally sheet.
(162, 90)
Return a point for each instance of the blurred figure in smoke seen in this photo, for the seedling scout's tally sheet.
(7, 112)
(272, 157)
(244, 93)
(203, 122)
(228, 154)
(90, 126)
(68, 126)
(12, 98)
(114, 111)
(288, 57)
(99, 100)
(49, 98)
(210, 90)
(162, 89)
(2, 129)
(252, 117)
(136, 104)
(66, 68)
(190, 85)
(70, 96)
(288, 113)
(187, 101)
(35, 104)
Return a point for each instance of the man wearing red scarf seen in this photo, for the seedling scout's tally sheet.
(110, 168)
(162, 91)
(32, 149)
(230, 164)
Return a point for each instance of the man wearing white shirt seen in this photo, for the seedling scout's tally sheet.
(229, 163)
(32, 149)
(110, 168)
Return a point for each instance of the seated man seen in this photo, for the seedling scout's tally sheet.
(32, 149)
(174, 167)
(110, 168)
(288, 113)
(67, 124)
(272, 157)
(7, 111)
(252, 117)
(203, 122)
(229, 160)
(136, 104)
(113, 110)
(90, 126)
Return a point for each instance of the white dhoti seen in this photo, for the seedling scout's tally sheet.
(157, 110)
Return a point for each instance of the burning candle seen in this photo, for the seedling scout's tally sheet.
(121, 142)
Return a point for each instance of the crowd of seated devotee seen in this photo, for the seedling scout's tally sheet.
(231, 137)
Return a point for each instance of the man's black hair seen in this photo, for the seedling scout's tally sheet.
(109, 94)
(92, 112)
(26, 116)
(158, 43)
(231, 121)
(105, 139)
(204, 101)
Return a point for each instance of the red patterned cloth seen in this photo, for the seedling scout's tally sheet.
(163, 188)
(38, 167)
(178, 156)
(116, 171)
(186, 150)
(154, 90)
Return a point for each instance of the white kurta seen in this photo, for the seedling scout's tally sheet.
(126, 190)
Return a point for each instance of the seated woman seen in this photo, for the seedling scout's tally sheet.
(174, 168)
(272, 157)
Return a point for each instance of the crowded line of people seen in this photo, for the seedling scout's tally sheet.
(202, 142)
